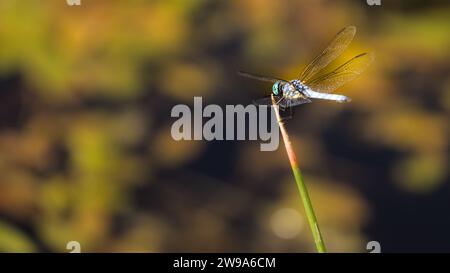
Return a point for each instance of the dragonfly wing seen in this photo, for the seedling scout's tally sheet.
(331, 52)
(267, 100)
(293, 102)
(259, 77)
(329, 82)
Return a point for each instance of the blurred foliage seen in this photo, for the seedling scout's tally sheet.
(86, 152)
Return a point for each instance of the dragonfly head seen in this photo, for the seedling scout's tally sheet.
(276, 88)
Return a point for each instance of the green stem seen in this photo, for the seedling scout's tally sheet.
(310, 215)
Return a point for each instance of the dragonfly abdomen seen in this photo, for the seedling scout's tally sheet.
(326, 96)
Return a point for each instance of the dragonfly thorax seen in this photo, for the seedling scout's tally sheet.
(292, 90)
(299, 85)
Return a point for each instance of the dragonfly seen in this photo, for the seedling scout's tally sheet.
(311, 84)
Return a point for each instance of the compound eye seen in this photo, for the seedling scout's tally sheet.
(275, 90)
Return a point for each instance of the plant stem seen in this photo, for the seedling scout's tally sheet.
(310, 215)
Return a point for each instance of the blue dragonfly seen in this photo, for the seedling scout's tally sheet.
(312, 84)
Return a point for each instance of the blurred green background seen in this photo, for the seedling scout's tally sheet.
(86, 152)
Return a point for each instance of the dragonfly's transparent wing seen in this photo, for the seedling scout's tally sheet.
(293, 102)
(281, 101)
(331, 52)
(267, 100)
(259, 77)
(285, 111)
(329, 82)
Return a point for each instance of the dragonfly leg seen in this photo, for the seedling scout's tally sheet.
(279, 100)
